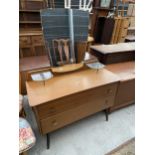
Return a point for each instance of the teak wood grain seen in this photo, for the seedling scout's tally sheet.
(126, 89)
(125, 71)
(68, 84)
(95, 95)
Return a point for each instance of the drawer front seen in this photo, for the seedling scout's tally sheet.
(72, 101)
(37, 40)
(60, 120)
(24, 41)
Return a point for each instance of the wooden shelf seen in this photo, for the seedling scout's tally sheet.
(101, 8)
(30, 22)
(30, 32)
(36, 11)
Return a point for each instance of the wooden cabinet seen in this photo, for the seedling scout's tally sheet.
(30, 64)
(32, 4)
(29, 13)
(25, 41)
(31, 44)
(97, 12)
(103, 30)
(115, 53)
(81, 94)
(71, 115)
(120, 29)
(126, 89)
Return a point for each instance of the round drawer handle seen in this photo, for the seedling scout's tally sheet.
(54, 122)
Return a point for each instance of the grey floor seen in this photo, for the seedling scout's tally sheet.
(90, 136)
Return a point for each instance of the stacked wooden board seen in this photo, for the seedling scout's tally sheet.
(120, 29)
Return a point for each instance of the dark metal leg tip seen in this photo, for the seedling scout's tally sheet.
(48, 141)
(107, 114)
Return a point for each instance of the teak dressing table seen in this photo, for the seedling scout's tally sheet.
(70, 97)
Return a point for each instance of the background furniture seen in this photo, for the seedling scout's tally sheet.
(103, 30)
(114, 53)
(31, 43)
(119, 59)
(120, 30)
(126, 88)
(64, 99)
(30, 64)
(29, 13)
(97, 12)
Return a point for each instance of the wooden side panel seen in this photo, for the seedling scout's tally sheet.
(126, 92)
(117, 30)
(33, 4)
(114, 30)
(119, 57)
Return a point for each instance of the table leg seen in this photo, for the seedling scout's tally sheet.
(106, 114)
(48, 140)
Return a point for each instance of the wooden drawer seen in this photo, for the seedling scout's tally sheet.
(72, 101)
(54, 122)
(24, 41)
(37, 40)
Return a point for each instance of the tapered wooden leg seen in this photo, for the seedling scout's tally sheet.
(48, 141)
(106, 114)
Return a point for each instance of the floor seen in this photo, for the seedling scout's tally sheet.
(90, 136)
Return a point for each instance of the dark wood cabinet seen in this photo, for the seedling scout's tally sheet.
(29, 13)
(103, 30)
(31, 44)
(97, 12)
(32, 4)
(114, 53)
